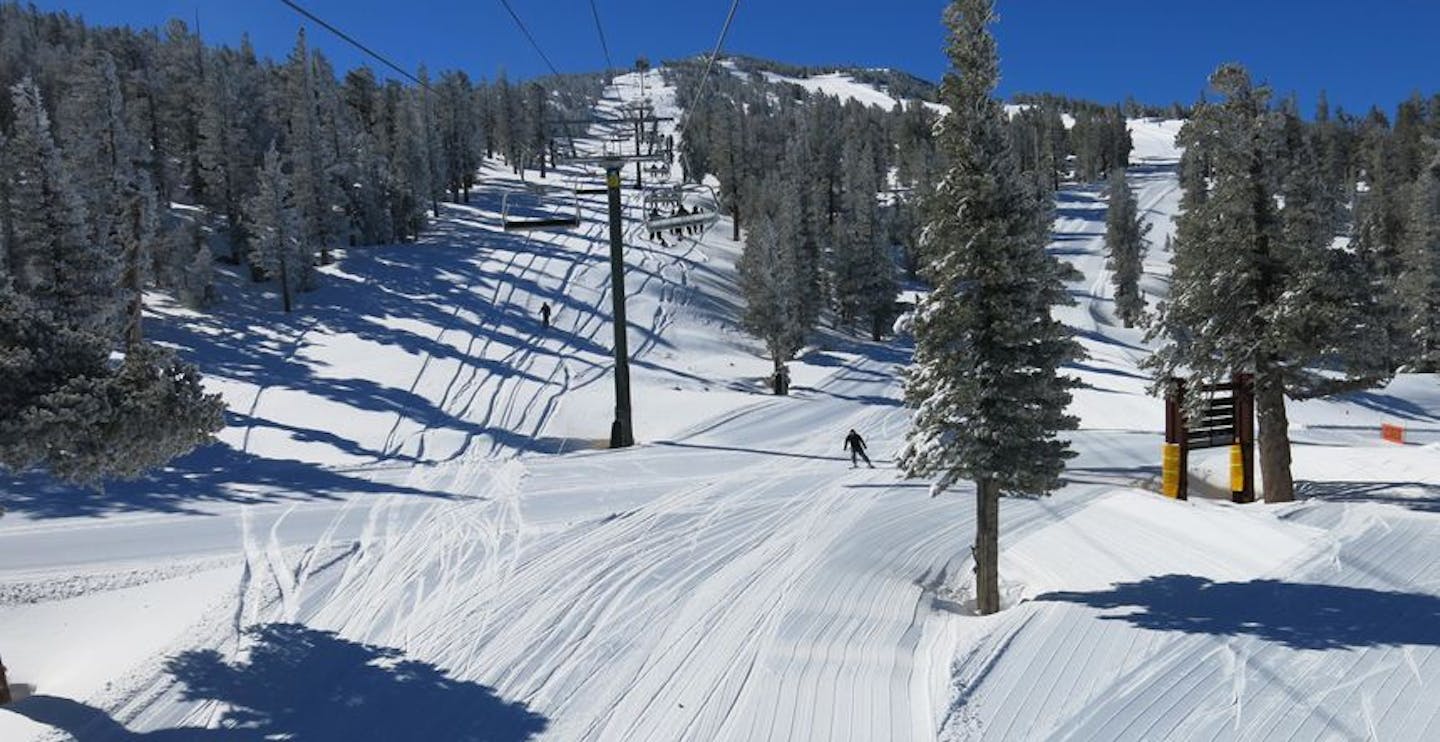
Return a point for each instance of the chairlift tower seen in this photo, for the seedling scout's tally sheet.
(622, 430)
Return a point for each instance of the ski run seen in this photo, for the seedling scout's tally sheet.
(412, 530)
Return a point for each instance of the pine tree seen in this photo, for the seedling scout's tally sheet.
(769, 280)
(233, 133)
(865, 281)
(1125, 246)
(66, 408)
(1250, 279)
(302, 151)
(275, 228)
(1419, 284)
(54, 260)
(985, 381)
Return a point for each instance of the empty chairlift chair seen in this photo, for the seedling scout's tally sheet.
(531, 210)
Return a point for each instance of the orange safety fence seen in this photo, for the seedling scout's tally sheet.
(1392, 433)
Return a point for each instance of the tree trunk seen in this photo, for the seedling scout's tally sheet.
(1274, 437)
(735, 221)
(134, 278)
(987, 547)
(285, 285)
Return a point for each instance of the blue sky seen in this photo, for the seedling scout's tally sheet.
(1159, 50)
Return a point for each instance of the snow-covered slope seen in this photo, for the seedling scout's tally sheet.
(836, 84)
(410, 532)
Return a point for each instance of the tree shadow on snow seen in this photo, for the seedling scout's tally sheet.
(1416, 496)
(1389, 404)
(217, 473)
(305, 685)
(85, 723)
(1297, 615)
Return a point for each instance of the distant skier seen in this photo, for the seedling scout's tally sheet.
(856, 445)
(545, 314)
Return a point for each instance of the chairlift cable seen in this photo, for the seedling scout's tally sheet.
(347, 38)
(594, 11)
(705, 76)
(526, 31)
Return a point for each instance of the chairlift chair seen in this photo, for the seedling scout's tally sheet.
(584, 187)
(517, 218)
(702, 199)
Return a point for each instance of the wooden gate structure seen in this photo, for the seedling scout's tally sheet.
(1228, 419)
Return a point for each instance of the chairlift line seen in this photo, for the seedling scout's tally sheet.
(594, 11)
(705, 76)
(530, 38)
(347, 38)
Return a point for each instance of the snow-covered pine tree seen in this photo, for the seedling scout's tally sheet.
(1226, 250)
(429, 134)
(1245, 294)
(769, 280)
(54, 260)
(6, 236)
(302, 147)
(986, 377)
(336, 160)
(233, 133)
(1125, 246)
(98, 148)
(1418, 287)
(65, 407)
(275, 228)
(865, 277)
(1330, 317)
(798, 222)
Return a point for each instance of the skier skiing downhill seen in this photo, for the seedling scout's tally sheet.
(856, 446)
(545, 314)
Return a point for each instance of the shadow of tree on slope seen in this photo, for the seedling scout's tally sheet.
(1297, 615)
(217, 473)
(1418, 496)
(305, 685)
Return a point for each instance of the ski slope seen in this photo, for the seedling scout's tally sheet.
(410, 530)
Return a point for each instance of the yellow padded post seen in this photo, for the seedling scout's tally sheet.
(1170, 470)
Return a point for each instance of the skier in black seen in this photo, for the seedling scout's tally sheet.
(658, 236)
(545, 314)
(856, 445)
(679, 232)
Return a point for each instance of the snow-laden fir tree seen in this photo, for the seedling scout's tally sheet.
(98, 147)
(1333, 313)
(1125, 247)
(54, 260)
(1418, 286)
(769, 279)
(799, 224)
(303, 153)
(67, 408)
(119, 197)
(1251, 281)
(276, 242)
(233, 135)
(864, 273)
(990, 400)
